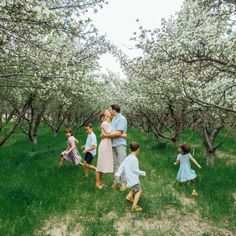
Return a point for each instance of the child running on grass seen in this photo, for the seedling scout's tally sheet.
(131, 168)
(71, 153)
(89, 149)
(185, 173)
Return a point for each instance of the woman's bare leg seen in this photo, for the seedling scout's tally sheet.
(98, 178)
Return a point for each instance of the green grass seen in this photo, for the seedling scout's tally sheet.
(35, 191)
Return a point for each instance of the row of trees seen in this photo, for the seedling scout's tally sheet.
(48, 59)
(186, 78)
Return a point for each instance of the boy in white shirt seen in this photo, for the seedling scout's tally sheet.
(89, 149)
(131, 168)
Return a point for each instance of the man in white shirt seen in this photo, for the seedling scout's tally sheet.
(131, 168)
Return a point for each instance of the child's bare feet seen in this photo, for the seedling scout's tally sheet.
(123, 187)
(100, 187)
(136, 209)
(129, 199)
(194, 193)
(115, 186)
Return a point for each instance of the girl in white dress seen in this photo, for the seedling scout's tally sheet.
(71, 153)
(185, 172)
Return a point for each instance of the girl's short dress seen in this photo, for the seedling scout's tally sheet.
(185, 172)
(74, 155)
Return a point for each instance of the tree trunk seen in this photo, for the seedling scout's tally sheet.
(210, 158)
(36, 124)
(33, 137)
(18, 120)
(209, 136)
(1, 123)
(158, 138)
(174, 141)
(55, 133)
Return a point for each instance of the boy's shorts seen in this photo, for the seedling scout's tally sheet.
(88, 157)
(136, 188)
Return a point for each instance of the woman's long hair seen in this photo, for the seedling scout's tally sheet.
(101, 118)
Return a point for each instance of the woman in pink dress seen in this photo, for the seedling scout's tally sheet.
(105, 155)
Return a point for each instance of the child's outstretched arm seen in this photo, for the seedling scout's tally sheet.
(142, 173)
(137, 170)
(91, 149)
(195, 162)
(176, 162)
(71, 148)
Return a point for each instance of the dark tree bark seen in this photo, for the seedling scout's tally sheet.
(1, 117)
(20, 116)
(209, 136)
(33, 120)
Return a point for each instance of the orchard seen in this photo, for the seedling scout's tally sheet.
(182, 88)
(185, 78)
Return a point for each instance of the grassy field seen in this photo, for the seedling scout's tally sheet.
(39, 198)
